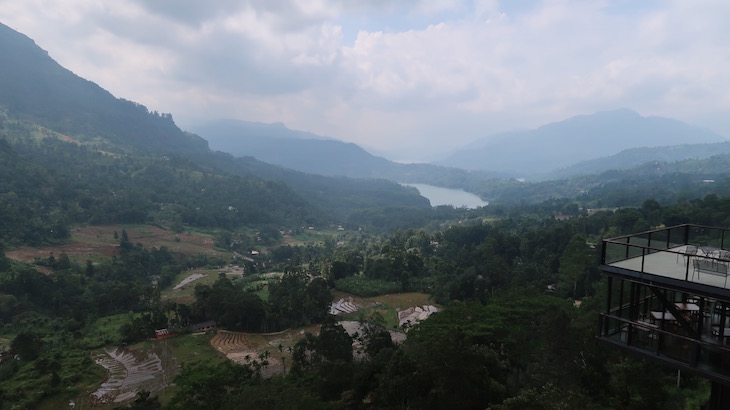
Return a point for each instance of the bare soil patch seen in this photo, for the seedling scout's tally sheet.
(245, 347)
(94, 242)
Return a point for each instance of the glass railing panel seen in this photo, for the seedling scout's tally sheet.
(615, 252)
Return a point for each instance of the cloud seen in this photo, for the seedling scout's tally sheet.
(395, 74)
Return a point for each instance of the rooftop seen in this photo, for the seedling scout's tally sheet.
(684, 256)
(668, 298)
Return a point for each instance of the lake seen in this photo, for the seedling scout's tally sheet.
(447, 196)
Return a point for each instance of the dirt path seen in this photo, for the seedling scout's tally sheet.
(191, 278)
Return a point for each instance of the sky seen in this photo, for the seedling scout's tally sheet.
(407, 79)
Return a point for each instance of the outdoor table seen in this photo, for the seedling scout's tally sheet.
(710, 251)
(716, 331)
(687, 307)
(662, 315)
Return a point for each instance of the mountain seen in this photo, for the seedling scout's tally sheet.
(581, 138)
(226, 133)
(298, 150)
(42, 103)
(637, 156)
(37, 88)
(310, 153)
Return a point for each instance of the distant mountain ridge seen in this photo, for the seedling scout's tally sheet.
(310, 153)
(298, 150)
(39, 96)
(634, 157)
(577, 139)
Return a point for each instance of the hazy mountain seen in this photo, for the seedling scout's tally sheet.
(229, 132)
(306, 152)
(302, 151)
(637, 156)
(577, 139)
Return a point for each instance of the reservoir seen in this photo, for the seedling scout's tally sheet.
(447, 196)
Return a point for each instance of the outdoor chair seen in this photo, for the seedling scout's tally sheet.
(695, 268)
(689, 251)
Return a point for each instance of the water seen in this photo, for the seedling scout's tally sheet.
(447, 196)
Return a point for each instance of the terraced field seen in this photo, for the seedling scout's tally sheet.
(245, 347)
(130, 371)
(397, 309)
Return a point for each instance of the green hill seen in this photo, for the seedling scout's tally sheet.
(35, 88)
(119, 162)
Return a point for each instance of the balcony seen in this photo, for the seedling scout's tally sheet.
(687, 257)
(668, 298)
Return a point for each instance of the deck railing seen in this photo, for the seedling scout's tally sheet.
(709, 356)
(665, 240)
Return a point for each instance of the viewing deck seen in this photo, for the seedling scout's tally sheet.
(687, 257)
(668, 300)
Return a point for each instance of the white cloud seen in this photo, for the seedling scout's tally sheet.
(395, 74)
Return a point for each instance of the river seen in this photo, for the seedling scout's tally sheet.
(447, 196)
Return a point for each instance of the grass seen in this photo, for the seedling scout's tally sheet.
(78, 374)
(366, 287)
(105, 331)
(263, 293)
(367, 315)
(194, 348)
(188, 291)
(404, 300)
(312, 236)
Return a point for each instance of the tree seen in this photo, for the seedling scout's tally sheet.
(576, 263)
(4, 261)
(124, 242)
(89, 268)
(206, 386)
(27, 345)
(325, 361)
(63, 262)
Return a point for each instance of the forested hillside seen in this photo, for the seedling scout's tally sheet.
(50, 184)
(39, 99)
(36, 88)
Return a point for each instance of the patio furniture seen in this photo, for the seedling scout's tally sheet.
(690, 250)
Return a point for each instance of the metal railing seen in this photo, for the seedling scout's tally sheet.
(664, 240)
(707, 356)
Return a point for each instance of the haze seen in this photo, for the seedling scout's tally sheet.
(405, 79)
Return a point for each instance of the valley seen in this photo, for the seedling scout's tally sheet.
(249, 265)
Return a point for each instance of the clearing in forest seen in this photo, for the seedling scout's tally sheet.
(182, 289)
(246, 347)
(396, 309)
(98, 242)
